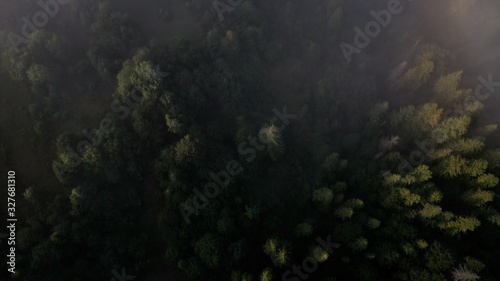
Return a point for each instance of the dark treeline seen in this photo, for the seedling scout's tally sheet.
(268, 145)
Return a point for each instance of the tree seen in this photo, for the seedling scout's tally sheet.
(277, 251)
(478, 198)
(333, 163)
(446, 88)
(207, 249)
(320, 254)
(409, 198)
(430, 211)
(462, 273)
(59, 46)
(266, 275)
(438, 258)
(323, 195)
(186, 150)
(271, 136)
(415, 77)
(112, 36)
(37, 73)
(451, 129)
(476, 167)
(428, 117)
(373, 223)
(474, 264)
(459, 224)
(303, 229)
(487, 181)
(344, 212)
(175, 125)
(141, 77)
(453, 166)
(359, 244)
(467, 146)
(239, 276)
(225, 224)
(30, 195)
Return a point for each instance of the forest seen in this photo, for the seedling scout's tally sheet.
(250, 140)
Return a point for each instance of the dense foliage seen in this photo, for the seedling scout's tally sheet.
(255, 151)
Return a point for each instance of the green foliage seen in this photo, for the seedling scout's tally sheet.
(476, 167)
(30, 195)
(417, 76)
(207, 249)
(331, 164)
(408, 198)
(493, 157)
(428, 117)
(420, 174)
(252, 212)
(266, 275)
(486, 181)
(387, 254)
(186, 150)
(225, 224)
(438, 258)
(453, 166)
(238, 276)
(277, 251)
(446, 88)
(359, 244)
(138, 76)
(459, 224)
(344, 212)
(478, 197)
(422, 244)
(37, 73)
(474, 264)
(323, 196)
(174, 125)
(451, 129)
(430, 211)
(271, 136)
(221, 83)
(467, 146)
(320, 254)
(373, 223)
(303, 229)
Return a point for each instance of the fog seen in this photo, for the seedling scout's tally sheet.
(250, 140)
